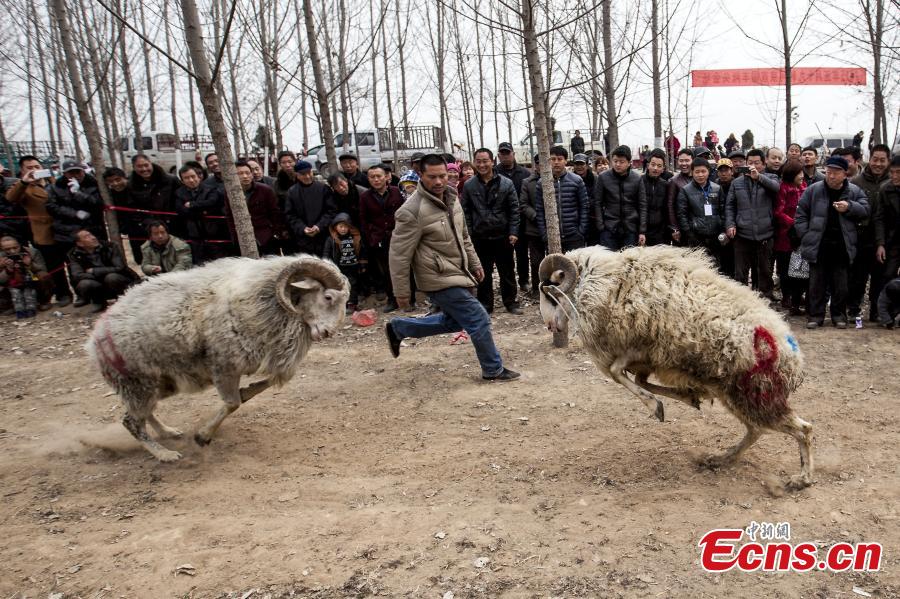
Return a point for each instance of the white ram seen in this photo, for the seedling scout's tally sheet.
(665, 312)
(188, 330)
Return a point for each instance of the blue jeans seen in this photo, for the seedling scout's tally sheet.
(459, 310)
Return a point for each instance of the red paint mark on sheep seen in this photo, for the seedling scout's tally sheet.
(106, 349)
(763, 385)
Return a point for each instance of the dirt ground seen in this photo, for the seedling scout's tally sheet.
(373, 476)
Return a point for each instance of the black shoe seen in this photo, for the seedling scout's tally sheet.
(515, 310)
(80, 302)
(97, 308)
(813, 324)
(62, 302)
(506, 375)
(393, 339)
(389, 307)
(841, 324)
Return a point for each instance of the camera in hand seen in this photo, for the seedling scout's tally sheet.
(742, 170)
(15, 257)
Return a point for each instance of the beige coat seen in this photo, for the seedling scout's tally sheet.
(430, 237)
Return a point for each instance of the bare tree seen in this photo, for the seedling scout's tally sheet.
(151, 99)
(212, 106)
(324, 114)
(90, 127)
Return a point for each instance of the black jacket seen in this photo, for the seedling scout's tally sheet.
(812, 218)
(653, 207)
(517, 174)
(204, 201)
(349, 203)
(527, 203)
(699, 213)
(887, 216)
(750, 206)
(63, 206)
(106, 259)
(871, 185)
(616, 201)
(308, 206)
(157, 193)
(572, 206)
(492, 209)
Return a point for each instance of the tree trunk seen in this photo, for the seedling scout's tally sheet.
(480, 61)
(89, 126)
(374, 58)
(387, 90)
(342, 74)
(148, 68)
(876, 35)
(401, 50)
(657, 100)
(173, 103)
(324, 114)
(129, 85)
(29, 60)
(303, 95)
(539, 100)
(67, 86)
(270, 59)
(101, 81)
(496, 92)
(788, 113)
(612, 116)
(193, 109)
(43, 68)
(509, 130)
(212, 107)
(326, 35)
(7, 149)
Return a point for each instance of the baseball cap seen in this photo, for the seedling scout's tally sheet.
(724, 162)
(737, 154)
(416, 157)
(580, 158)
(72, 165)
(505, 147)
(838, 162)
(701, 151)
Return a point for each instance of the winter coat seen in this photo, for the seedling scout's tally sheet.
(517, 174)
(431, 238)
(887, 216)
(785, 209)
(527, 211)
(38, 264)
(33, 200)
(333, 245)
(156, 193)
(577, 145)
(616, 201)
(694, 203)
(214, 182)
(492, 209)
(204, 201)
(590, 184)
(653, 206)
(815, 178)
(106, 259)
(358, 178)
(266, 218)
(572, 207)
(750, 207)
(376, 218)
(674, 189)
(871, 185)
(349, 203)
(812, 217)
(308, 206)
(63, 205)
(174, 257)
(283, 183)
(13, 217)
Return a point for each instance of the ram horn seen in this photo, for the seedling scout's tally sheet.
(326, 274)
(559, 270)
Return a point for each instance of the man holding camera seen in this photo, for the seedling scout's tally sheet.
(30, 192)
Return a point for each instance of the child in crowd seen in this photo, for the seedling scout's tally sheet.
(19, 270)
(343, 248)
(408, 183)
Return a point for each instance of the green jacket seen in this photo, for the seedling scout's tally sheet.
(176, 256)
(430, 236)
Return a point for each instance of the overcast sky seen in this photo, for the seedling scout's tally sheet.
(831, 109)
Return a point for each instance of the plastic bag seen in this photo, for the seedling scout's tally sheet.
(363, 318)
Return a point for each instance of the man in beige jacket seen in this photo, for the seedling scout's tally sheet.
(430, 237)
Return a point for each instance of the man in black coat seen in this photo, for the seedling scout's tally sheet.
(491, 207)
(515, 172)
(195, 203)
(616, 202)
(826, 222)
(98, 270)
(74, 203)
(309, 210)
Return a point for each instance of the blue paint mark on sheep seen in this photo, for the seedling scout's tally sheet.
(793, 343)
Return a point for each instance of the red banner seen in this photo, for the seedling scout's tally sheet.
(772, 77)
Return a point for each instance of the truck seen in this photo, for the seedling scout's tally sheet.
(527, 147)
(165, 149)
(383, 146)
